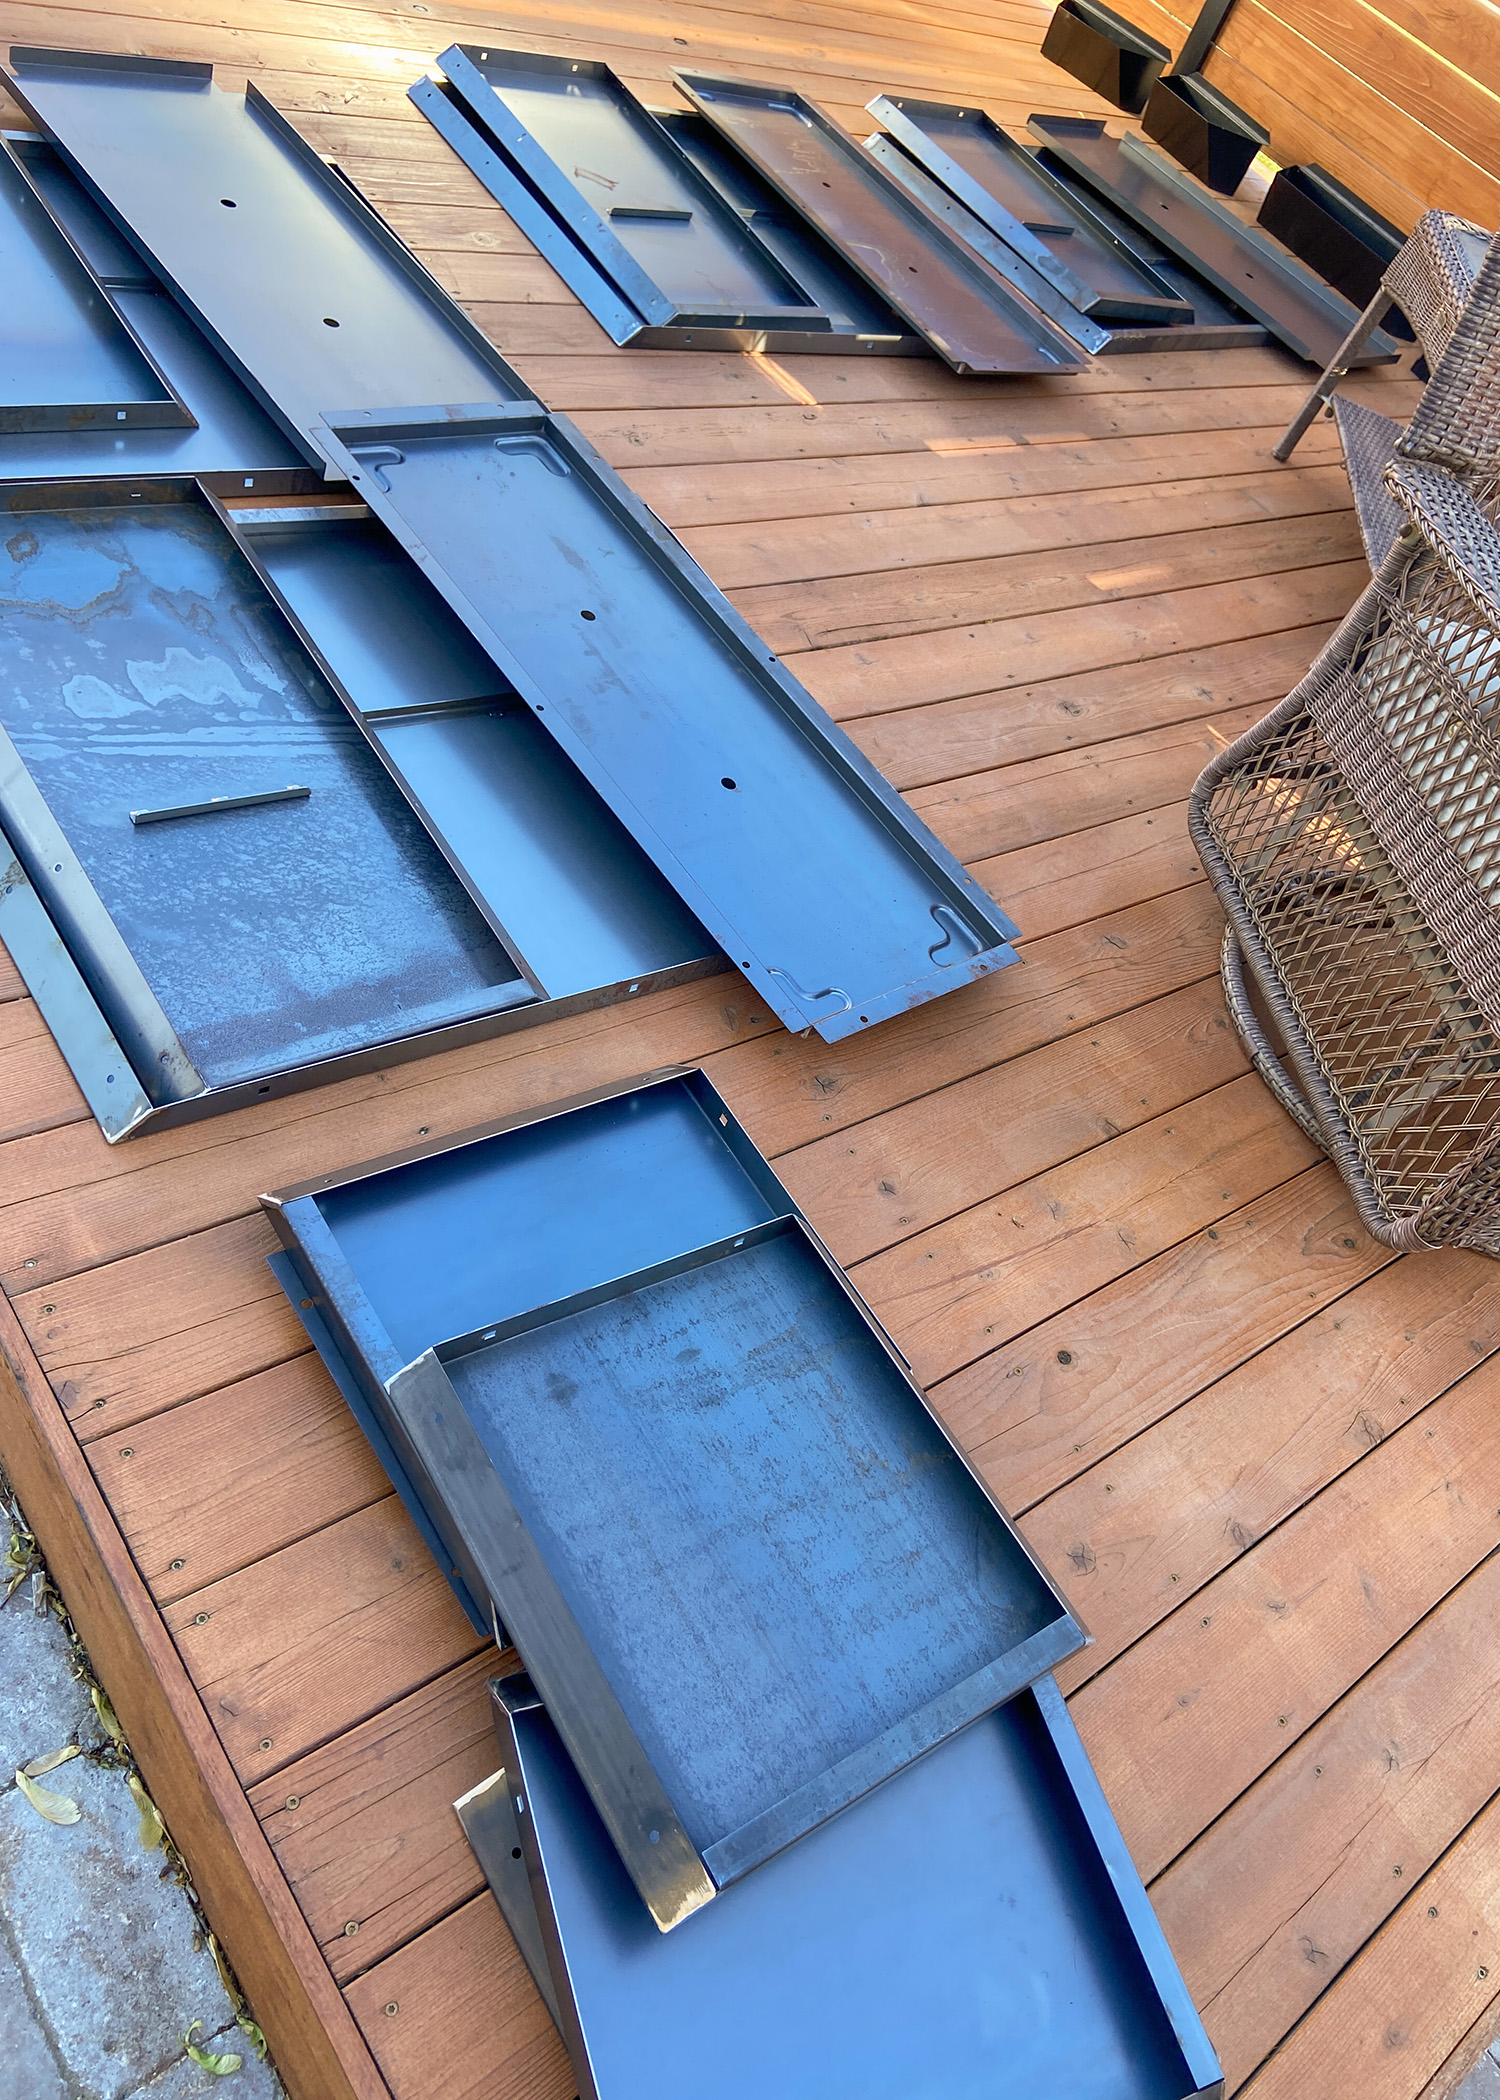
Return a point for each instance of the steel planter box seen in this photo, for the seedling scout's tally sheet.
(1105, 52)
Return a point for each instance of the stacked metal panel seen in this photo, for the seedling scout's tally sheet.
(481, 748)
(788, 1700)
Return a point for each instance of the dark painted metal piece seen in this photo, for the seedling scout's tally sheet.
(851, 306)
(1207, 23)
(971, 316)
(721, 1525)
(974, 1927)
(217, 803)
(1211, 136)
(627, 193)
(819, 881)
(302, 1293)
(67, 360)
(1236, 259)
(1335, 233)
(304, 290)
(1105, 52)
(1219, 328)
(1047, 224)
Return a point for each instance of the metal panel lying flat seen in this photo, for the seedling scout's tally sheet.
(1236, 258)
(305, 291)
(67, 360)
(1051, 226)
(973, 1928)
(737, 1552)
(1213, 325)
(968, 313)
(811, 872)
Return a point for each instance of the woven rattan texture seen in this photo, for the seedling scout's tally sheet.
(1431, 278)
(1369, 441)
(1457, 421)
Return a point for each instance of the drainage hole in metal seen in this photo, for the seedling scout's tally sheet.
(586, 615)
(726, 782)
(229, 204)
(329, 321)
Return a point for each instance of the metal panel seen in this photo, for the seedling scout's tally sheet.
(969, 314)
(1214, 326)
(304, 290)
(67, 360)
(1045, 222)
(800, 860)
(144, 667)
(1236, 258)
(553, 869)
(1105, 52)
(102, 249)
(622, 186)
(974, 1926)
(714, 1512)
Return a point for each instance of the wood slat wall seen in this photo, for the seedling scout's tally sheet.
(1263, 1454)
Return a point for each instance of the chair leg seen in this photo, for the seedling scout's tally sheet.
(1257, 1042)
(1328, 385)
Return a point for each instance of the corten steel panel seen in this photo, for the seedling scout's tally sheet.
(641, 208)
(1213, 325)
(145, 668)
(553, 869)
(303, 289)
(67, 361)
(703, 1494)
(1237, 259)
(968, 313)
(808, 869)
(974, 1927)
(1046, 223)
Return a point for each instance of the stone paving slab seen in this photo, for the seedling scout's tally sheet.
(1483, 2082)
(101, 1969)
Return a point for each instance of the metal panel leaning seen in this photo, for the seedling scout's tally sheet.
(663, 1438)
(813, 874)
(993, 1866)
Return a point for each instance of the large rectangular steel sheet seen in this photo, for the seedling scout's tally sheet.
(970, 315)
(808, 869)
(974, 1927)
(1298, 308)
(1015, 196)
(303, 289)
(736, 1550)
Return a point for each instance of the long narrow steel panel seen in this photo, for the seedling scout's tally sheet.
(974, 1928)
(1214, 326)
(304, 290)
(624, 188)
(67, 360)
(1006, 187)
(1236, 258)
(713, 1510)
(811, 872)
(970, 315)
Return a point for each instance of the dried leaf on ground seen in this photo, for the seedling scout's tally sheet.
(106, 1713)
(57, 1808)
(208, 2059)
(153, 1830)
(36, 1766)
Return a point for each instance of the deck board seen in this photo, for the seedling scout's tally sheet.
(1260, 1451)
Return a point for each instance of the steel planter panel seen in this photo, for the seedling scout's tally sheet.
(1236, 258)
(807, 868)
(969, 315)
(973, 1926)
(302, 288)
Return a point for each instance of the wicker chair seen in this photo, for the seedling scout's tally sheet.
(1354, 838)
(1431, 281)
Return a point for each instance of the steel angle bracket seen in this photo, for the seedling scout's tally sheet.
(1093, 336)
(662, 695)
(972, 317)
(1236, 258)
(535, 217)
(303, 289)
(1139, 294)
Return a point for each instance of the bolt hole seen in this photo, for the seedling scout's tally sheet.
(229, 204)
(587, 615)
(329, 321)
(726, 782)
(515, 1852)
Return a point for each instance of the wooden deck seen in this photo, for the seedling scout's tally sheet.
(1263, 1455)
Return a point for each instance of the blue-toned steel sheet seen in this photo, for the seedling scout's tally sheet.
(974, 1927)
(811, 872)
(144, 667)
(303, 289)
